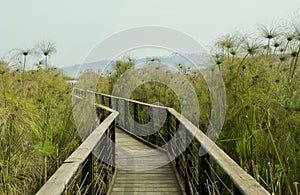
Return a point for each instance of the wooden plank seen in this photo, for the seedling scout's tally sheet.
(129, 182)
(146, 176)
(146, 189)
(156, 171)
(145, 193)
(140, 185)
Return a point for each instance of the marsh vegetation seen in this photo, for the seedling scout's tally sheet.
(261, 131)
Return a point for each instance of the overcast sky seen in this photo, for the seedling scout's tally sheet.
(77, 26)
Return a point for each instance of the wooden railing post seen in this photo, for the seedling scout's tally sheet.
(102, 100)
(109, 102)
(88, 174)
(117, 107)
(188, 164)
(187, 172)
(113, 149)
(126, 115)
(152, 126)
(97, 98)
(99, 113)
(204, 172)
(168, 132)
(106, 155)
(177, 142)
(136, 117)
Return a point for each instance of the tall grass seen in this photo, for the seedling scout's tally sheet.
(36, 128)
(263, 120)
(262, 129)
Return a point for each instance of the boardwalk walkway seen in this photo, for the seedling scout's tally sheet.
(132, 179)
(141, 168)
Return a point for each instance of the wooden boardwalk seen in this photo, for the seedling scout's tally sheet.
(139, 171)
(142, 169)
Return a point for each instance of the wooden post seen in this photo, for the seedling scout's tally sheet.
(97, 98)
(188, 161)
(109, 102)
(88, 174)
(106, 156)
(135, 116)
(102, 100)
(203, 170)
(117, 108)
(99, 113)
(177, 143)
(187, 171)
(126, 115)
(152, 126)
(113, 149)
(169, 132)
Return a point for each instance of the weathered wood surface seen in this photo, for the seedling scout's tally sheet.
(136, 175)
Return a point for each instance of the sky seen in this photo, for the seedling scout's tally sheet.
(76, 27)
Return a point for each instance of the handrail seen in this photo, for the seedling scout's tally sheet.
(198, 180)
(120, 98)
(81, 162)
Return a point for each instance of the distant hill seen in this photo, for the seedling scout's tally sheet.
(172, 60)
(77, 69)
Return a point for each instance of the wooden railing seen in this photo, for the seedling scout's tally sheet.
(212, 172)
(82, 172)
(202, 173)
